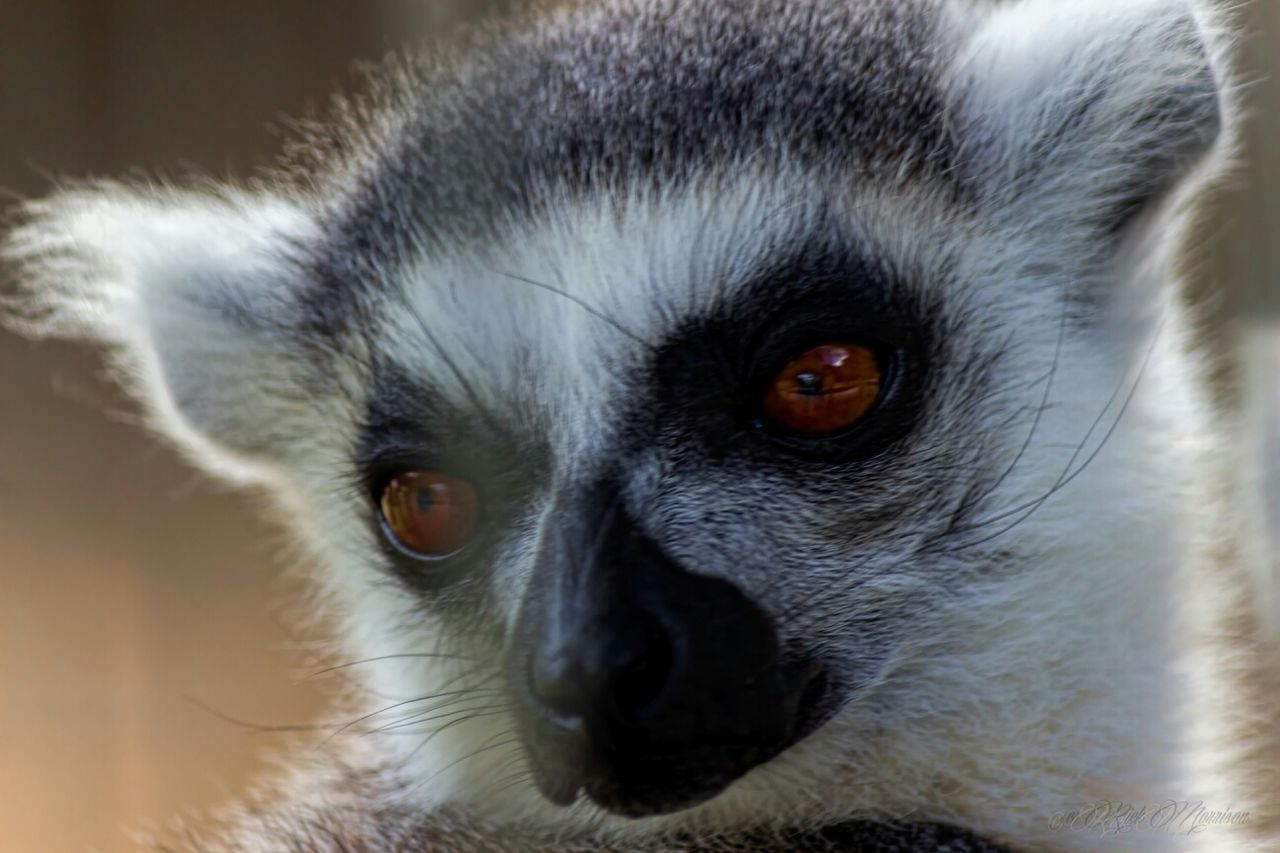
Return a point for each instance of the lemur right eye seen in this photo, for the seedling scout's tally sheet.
(824, 390)
(427, 514)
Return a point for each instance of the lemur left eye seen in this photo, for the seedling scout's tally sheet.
(824, 390)
(428, 514)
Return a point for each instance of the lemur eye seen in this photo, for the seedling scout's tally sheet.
(824, 390)
(428, 514)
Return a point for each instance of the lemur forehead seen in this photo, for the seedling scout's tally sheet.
(632, 93)
(571, 312)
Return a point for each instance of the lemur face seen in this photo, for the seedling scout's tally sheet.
(704, 386)
(703, 501)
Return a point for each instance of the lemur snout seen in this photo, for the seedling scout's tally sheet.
(622, 673)
(647, 685)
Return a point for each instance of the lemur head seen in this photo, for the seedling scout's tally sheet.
(719, 385)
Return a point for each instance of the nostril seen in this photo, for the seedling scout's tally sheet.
(640, 680)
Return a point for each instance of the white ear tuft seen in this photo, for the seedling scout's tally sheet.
(193, 293)
(1089, 111)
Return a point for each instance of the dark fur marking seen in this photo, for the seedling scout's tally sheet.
(409, 425)
(630, 94)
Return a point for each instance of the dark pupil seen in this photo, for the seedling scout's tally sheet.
(426, 499)
(809, 384)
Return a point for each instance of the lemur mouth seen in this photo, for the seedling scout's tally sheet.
(637, 773)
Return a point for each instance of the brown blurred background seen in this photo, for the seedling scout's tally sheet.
(132, 592)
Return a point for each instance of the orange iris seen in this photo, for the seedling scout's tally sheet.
(429, 513)
(824, 390)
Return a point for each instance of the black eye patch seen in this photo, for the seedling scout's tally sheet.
(710, 379)
(409, 426)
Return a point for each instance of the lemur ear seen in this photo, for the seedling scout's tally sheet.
(1087, 112)
(194, 294)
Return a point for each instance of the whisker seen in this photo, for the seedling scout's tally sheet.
(471, 714)
(968, 501)
(485, 747)
(581, 303)
(1067, 475)
(257, 728)
(451, 364)
(363, 661)
(429, 714)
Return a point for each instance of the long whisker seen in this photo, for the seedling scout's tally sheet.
(488, 745)
(1035, 422)
(471, 713)
(369, 716)
(1068, 475)
(581, 303)
(463, 696)
(256, 728)
(407, 655)
(491, 420)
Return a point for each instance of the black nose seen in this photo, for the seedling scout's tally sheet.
(650, 686)
(621, 674)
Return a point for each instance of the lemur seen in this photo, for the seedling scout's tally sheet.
(723, 425)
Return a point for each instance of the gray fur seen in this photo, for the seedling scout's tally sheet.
(629, 94)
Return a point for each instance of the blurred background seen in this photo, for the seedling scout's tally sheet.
(143, 610)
